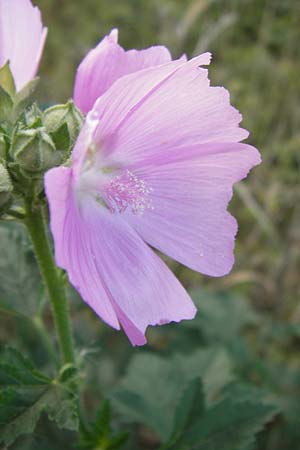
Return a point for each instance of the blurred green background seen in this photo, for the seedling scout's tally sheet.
(253, 314)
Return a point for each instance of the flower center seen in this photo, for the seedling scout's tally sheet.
(127, 191)
(112, 186)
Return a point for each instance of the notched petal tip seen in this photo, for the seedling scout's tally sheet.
(114, 35)
(256, 156)
(205, 59)
(134, 334)
(201, 60)
(137, 337)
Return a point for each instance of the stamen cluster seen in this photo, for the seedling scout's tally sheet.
(128, 191)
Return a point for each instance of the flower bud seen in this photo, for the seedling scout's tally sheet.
(6, 189)
(34, 151)
(59, 115)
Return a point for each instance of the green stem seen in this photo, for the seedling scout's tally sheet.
(36, 227)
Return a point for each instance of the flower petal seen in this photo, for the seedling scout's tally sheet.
(22, 39)
(191, 190)
(106, 63)
(143, 290)
(161, 109)
(109, 263)
(102, 121)
(73, 250)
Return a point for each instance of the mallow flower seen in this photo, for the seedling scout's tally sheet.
(153, 167)
(22, 39)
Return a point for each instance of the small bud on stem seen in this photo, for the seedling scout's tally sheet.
(34, 151)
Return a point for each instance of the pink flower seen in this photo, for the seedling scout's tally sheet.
(106, 63)
(154, 164)
(22, 39)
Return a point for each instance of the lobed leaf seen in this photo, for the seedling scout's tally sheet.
(25, 393)
(228, 425)
(19, 283)
(153, 386)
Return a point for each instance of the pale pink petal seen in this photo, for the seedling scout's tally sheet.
(106, 63)
(107, 115)
(143, 59)
(142, 289)
(73, 248)
(97, 71)
(22, 39)
(116, 273)
(191, 189)
(163, 108)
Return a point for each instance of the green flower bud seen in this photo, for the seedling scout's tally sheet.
(6, 189)
(34, 151)
(58, 116)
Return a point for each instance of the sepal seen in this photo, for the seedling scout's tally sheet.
(31, 117)
(12, 103)
(7, 81)
(23, 97)
(63, 123)
(6, 189)
(6, 105)
(3, 147)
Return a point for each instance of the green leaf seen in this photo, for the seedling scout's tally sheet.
(25, 393)
(99, 435)
(228, 425)
(191, 406)
(153, 386)
(68, 373)
(7, 81)
(6, 105)
(19, 282)
(245, 392)
(102, 422)
(16, 369)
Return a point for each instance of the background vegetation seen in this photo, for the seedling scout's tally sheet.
(245, 341)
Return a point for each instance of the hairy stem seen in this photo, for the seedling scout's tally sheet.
(36, 227)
